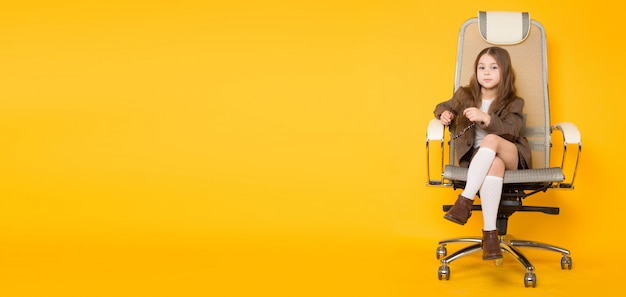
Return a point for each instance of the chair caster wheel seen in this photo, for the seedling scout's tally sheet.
(443, 271)
(442, 251)
(530, 279)
(566, 261)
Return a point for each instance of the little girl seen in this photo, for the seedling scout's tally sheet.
(486, 120)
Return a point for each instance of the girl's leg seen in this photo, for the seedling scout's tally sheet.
(478, 169)
(491, 185)
(481, 165)
(492, 148)
(461, 211)
(491, 192)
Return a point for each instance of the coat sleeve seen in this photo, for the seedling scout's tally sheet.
(443, 106)
(450, 104)
(507, 123)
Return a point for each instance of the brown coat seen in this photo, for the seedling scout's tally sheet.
(506, 122)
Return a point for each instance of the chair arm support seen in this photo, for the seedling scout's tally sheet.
(435, 135)
(571, 136)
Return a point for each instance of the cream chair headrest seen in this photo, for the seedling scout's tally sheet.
(504, 27)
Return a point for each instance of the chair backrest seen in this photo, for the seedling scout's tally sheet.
(525, 40)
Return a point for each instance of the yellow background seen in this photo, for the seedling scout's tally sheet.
(270, 148)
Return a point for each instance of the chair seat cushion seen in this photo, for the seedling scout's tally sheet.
(540, 175)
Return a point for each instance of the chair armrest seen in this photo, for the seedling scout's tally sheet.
(571, 136)
(570, 132)
(435, 130)
(435, 142)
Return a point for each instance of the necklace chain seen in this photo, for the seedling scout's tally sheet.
(464, 130)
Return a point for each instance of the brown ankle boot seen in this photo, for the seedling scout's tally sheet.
(460, 211)
(491, 245)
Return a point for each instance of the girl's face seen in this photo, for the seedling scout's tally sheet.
(488, 72)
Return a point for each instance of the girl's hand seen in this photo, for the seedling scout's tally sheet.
(476, 115)
(446, 118)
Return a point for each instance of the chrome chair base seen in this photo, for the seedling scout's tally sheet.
(507, 245)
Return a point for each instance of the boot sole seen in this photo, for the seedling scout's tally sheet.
(453, 219)
(494, 257)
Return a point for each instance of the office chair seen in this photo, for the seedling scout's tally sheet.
(525, 40)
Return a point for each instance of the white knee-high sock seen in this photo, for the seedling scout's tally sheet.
(479, 166)
(490, 194)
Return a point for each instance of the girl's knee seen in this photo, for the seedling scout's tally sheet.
(491, 140)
